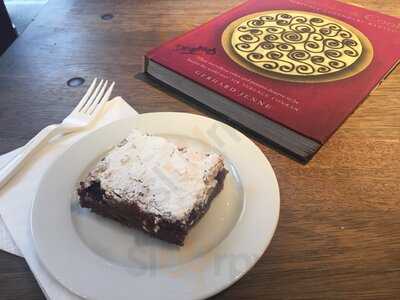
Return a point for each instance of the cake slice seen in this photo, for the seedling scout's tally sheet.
(152, 184)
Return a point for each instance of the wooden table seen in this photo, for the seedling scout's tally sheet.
(339, 230)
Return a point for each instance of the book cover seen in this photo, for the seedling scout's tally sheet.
(304, 64)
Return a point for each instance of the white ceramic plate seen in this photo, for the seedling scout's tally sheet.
(97, 258)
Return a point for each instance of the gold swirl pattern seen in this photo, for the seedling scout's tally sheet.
(296, 43)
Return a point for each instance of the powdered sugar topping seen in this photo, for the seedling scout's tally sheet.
(157, 175)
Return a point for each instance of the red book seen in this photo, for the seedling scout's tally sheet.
(289, 71)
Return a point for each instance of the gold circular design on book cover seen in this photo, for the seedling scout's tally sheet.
(297, 46)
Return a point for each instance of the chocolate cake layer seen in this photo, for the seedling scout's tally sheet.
(131, 215)
(153, 184)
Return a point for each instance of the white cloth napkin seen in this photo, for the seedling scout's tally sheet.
(6, 242)
(17, 196)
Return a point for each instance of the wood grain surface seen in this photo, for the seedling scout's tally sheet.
(339, 231)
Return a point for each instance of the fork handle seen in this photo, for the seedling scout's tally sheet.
(13, 166)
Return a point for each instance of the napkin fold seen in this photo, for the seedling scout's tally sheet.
(6, 242)
(17, 196)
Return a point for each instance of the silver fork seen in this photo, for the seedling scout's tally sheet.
(82, 116)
